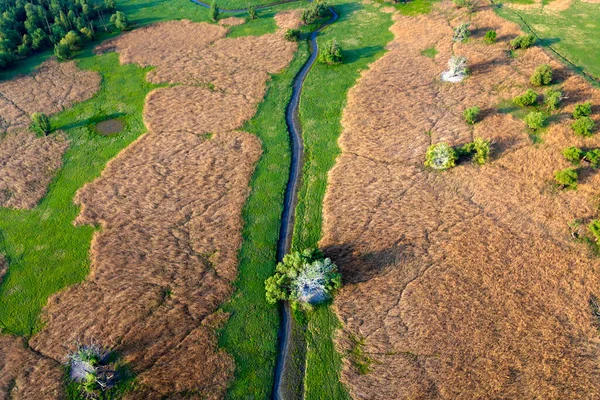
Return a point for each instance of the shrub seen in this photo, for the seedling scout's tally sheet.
(523, 42)
(72, 40)
(573, 154)
(293, 35)
(482, 150)
(542, 75)
(213, 12)
(318, 8)
(306, 277)
(62, 51)
(120, 20)
(490, 37)
(583, 110)
(87, 33)
(535, 120)
(593, 157)
(331, 54)
(552, 99)
(594, 228)
(567, 178)
(526, 99)
(40, 122)
(471, 115)
(583, 126)
(440, 156)
(252, 13)
(461, 33)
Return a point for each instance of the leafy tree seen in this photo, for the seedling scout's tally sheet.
(213, 12)
(62, 52)
(552, 99)
(523, 42)
(72, 40)
(583, 126)
(583, 110)
(305, 277)
(482, 150)
(318, 8)
(461, 33)
(542, 75)
(593, 157)
(526, 99)
(40, 122)
(441, 156)
(331, 53)
(293, 35)
(490, 37)
(567, 178)
(87, 33)
(122, 23)
(471, 115)
(535, 120)
(252, 13)
(572, 154)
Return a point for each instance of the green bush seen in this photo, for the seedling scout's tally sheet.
(523, 42)
(583, 110)
(318, 8)
(331, 53)
(471, 114)
(573, 154)
(535, 120)
(482, 150)
(583, 126)
(461, 33)
(441, 156)
(528, 98)
(567, 178)
(252, 13)
(552, 99)
(490, 37)
(593, 157)
(62, 52)
(541, 76)
(213, 12)
(594, 228)
(305, 277)
(87, 33)
(122, 23)
(40, 123)
(292, 35)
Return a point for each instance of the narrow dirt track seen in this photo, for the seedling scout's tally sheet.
(291, 192)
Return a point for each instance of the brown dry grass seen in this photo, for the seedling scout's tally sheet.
(26, 375)
(465, 284)
(288, 20)
(27, 165)
(170, 210)
(232, 21)
(51, 88)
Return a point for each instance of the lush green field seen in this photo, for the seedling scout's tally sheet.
(573, 32)
(363, 32)
(45, 251)
(250, 335)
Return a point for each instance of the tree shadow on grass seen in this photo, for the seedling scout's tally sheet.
(351, 56)
(91, 121)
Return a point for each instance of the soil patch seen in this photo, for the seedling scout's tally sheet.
(170, 209)
(463, 284)
(109, 127)
(27, 165)
(51, 88)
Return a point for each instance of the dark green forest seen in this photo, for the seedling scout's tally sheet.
(30, 26)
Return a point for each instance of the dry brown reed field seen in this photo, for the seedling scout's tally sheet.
(169, 207)
(463, 284)
(51, 88)
(232, 21)
(27, 165)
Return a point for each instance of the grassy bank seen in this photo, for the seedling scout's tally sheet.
(573, 32)
(362, 32)
(250, 335)
(46, 252)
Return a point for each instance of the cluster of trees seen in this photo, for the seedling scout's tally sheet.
(29, 26)
(442, 156)
(305, 278)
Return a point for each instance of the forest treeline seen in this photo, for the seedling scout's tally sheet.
(30, 26)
